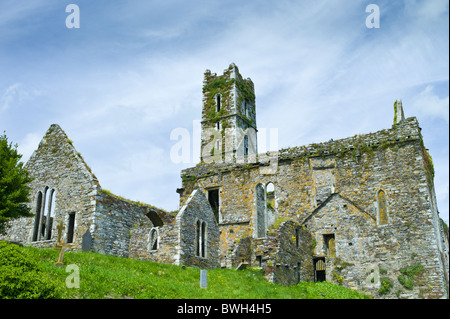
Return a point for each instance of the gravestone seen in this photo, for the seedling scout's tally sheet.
(203, 279)
(86, 242)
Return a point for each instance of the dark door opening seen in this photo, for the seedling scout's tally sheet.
(213, 198)
(70, 228)
(319, 269)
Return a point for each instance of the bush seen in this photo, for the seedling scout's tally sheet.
(408, 275)
(21, 277)
(386, 285)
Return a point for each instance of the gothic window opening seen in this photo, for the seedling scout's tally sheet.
(45, 212)
(50, 214)
(203, 244)
(218, 102)
(246, 109)
(37, 217)
(271, 212)
(197, 237)
(330, 245)
(382, 208)
(70, 227)
(201, 238)
(153, 239)
(260, 211)
(245, 145)
(213, 198)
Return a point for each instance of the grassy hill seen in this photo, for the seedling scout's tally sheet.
(27, 272)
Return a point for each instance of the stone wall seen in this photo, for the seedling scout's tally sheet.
(196, 225)
(114, 219)
(57, 166)
(62, 178)
(166, 246)
(285, 254)
(349, 172)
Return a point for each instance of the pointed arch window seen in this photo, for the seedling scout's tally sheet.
(153, 240)
(245, 145)
(45, 213)
(260, 211)
(218, 102)
(201, 238)
(37, 218)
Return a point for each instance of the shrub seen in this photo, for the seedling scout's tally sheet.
(386, 285)
(408, 274)
(21, 277)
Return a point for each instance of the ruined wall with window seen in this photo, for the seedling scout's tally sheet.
(381, 181)
(198, 233)
(63, 192)
(70, 207)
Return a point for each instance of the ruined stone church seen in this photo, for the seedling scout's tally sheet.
(356, 211)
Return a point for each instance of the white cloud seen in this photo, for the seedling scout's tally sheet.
(7, 99)
(15, 95)
(28, 145)
(122, 82)
(427, 104)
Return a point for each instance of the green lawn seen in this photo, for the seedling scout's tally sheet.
(27, 272)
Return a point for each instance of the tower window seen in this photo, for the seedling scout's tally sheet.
(245, 145)
(218, 102)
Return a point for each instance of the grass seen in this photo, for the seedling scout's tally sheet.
(103, 276)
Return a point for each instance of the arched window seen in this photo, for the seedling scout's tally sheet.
(201, 238)
(218, 102)
(153, 240)
(203, 243)
(197, 237)
(70, 227)
(260, 211)
(45, 212)
(50, 214)
(245, 145)
(382, 208)
(37, 218)
(330, 245)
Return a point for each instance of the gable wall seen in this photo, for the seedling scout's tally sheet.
(57, 165)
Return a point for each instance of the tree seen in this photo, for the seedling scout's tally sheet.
(14, 189)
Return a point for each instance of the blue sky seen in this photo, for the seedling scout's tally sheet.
(133, 72)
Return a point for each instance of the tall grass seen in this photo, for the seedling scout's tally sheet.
(103, 276)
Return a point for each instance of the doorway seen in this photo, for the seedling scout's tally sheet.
(319, 269)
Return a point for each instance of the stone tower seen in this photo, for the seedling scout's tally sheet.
(228, 117)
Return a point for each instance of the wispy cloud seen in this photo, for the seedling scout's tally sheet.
(132, 73)
(428, 104)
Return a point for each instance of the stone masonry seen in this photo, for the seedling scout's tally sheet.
(360, 211)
